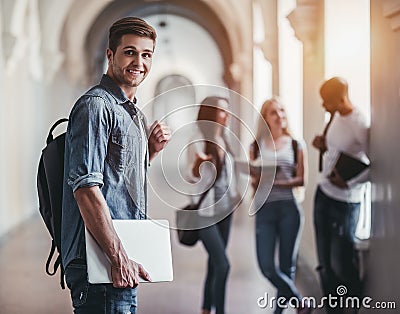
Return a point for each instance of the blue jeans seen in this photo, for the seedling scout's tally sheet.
(335, 226)
(97, 298)
(279, 221)
(215, 239)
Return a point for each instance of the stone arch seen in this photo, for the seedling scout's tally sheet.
(87, 26)
(52, 29)
(175, 90)
(21, 31)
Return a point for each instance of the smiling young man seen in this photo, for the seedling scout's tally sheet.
(107, 150)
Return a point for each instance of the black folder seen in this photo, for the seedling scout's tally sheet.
(348, 167)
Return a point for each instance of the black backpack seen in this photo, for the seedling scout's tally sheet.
(50, 179)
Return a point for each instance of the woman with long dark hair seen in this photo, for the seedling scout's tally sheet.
(216, 210)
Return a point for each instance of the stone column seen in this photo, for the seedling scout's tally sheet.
(307, 21)
(270, 45)
(391, 10)
(382, 277)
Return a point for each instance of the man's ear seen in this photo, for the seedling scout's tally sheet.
(109, 54)
(343, 99)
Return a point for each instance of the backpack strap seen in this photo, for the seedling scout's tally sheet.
(295, 146)
(56, 124)
(62, 273)
(51, 254)
(56, 264)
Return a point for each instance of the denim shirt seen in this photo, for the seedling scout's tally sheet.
(103, 147)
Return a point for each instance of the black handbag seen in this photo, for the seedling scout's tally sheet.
(187, 222)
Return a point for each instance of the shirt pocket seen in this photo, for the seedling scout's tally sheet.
(117, 150)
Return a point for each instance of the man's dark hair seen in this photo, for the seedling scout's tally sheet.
(129, 25)
(334, 87)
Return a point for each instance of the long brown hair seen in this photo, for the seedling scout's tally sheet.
(208, 112)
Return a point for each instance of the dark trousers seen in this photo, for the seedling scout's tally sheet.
(279, 222)
(90, 298)
(215, 239)
(335, 226)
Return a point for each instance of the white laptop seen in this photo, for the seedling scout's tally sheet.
(145, 241)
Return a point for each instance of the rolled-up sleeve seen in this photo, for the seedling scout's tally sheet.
(87, 137)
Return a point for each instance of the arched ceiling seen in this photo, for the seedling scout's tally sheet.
(87, 27)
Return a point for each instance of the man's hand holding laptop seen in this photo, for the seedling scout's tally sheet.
(128, 273)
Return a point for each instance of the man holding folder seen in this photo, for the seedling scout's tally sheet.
(339, 194)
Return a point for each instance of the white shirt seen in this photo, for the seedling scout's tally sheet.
(348, 134)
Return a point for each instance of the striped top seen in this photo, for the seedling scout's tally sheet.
(285, 169)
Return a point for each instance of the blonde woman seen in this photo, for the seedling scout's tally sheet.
(279, 217)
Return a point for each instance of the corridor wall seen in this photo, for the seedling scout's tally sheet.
(383, 259)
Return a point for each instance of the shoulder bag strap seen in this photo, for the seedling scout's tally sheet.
(321, 153)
